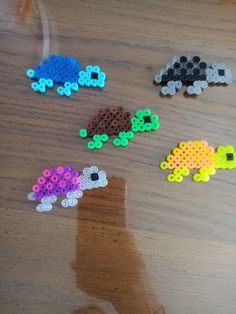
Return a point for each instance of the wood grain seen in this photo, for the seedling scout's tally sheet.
(140, 242)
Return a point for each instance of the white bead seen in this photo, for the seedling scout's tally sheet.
(103, 182)
(78, 194)
(73, 202)
(31, 196)
(86, 171)
(65, 203)
(102, 174)
(93, 169)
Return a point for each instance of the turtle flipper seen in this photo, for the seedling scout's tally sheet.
(178, 175)
(203, 174)
(67, 89)
(123, 138)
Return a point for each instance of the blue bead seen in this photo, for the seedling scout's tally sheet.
(75, 87)
(67, 91)
(60, 90)
(49, 83)
(42, 88)
(35, 86)
(30, 73)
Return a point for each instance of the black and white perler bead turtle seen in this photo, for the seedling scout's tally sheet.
(193, 72)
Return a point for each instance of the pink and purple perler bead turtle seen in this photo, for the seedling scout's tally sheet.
(64, 180)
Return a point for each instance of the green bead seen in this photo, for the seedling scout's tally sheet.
(147, 112)
(148, 127)
(96, 137)
(98, 145)
(83, 133)
(135, 128)
(104, 137)
(124, 142)
(154, 118)
(130, 134)
(155, 126)
(139, 113)
(134, 120)
(142, 128)
(116, 142)
(91, 145)
(122, 135)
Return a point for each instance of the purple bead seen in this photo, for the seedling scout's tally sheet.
(67, 168)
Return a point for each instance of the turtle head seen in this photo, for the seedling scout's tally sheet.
(217, 73)
(225, 157)
(144, 120)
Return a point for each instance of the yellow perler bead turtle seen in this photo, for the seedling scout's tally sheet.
(198, 155)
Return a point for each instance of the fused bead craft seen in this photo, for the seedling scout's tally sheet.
(198, 155)
(194, 73)
(64, 180)
(115, 121)
(66, 71)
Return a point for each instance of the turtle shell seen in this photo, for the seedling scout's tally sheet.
(56, 181)
(111, 121)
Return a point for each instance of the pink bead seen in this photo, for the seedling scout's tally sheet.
(67, 175)
(60, 170)
(46, 173)
(36, 188)
(62, 184)
(49, 186)
(41, 180)
(75, 180)
(54, 178)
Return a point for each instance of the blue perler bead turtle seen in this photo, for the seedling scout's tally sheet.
(66, 71)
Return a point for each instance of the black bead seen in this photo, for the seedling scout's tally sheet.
(176, 65)
(164, 78)
(202, 65)
(221, 72)
(183, 59)
(202, 77)
(196, 72)
(94, 76)
(94, 176)
(170, 71)
(196, 59)
(147, 119)
(183, 71)
(189, 65)
(230, 156)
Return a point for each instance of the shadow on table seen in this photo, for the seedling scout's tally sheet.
(107, 264)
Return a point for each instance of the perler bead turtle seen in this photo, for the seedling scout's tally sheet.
(194, 73)
(115, 121)
(64, 180)
(198, 155)
(66, 71)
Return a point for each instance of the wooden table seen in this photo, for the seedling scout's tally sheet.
(141, 241)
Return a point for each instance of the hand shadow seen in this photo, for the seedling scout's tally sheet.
(107, 263)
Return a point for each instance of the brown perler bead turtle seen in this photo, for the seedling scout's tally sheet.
(109, 121)
(116, 121)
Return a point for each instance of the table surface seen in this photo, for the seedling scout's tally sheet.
(141, 241)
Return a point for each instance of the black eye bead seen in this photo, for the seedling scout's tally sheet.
(94, 76)
(229, 156)
(221, 72)
(94, 176)
(147, 119)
